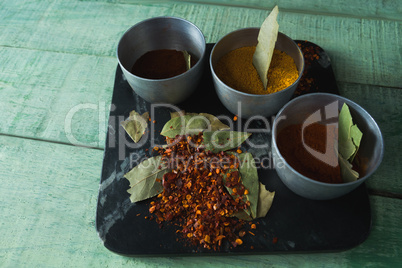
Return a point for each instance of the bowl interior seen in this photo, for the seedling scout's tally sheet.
(248, 37)
(321, 108)
(159, 33)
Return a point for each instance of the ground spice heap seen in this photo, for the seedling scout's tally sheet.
(194, 194)
(293, 147)
(236, 70)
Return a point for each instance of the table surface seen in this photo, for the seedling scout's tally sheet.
(56, 80)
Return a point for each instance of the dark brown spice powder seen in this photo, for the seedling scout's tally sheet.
(161, 64)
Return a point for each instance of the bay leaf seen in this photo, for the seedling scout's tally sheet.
(345, 143)
(347, 173)
(214, 122)
(349, 138)
(249, 178)
(265, 200)
(266, 44)
(187, 59)
(182, 125)
(136, 125)
(146, 179)
(356, 136)
(177, 114)
(349, 135)
(244, 214)
(217, 141)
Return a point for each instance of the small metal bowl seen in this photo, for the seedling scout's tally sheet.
(162, 33)
(244, 104)
(323, 107)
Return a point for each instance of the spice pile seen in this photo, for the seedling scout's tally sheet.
(236, 70)
(202, 183)
(194, 193)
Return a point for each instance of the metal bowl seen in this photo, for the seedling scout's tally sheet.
(247, 105)
(162, 33)
(323, 107)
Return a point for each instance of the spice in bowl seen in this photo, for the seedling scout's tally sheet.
(236, 69)
(163, 63)
(259, 69)
(325, 153)
(295, 151)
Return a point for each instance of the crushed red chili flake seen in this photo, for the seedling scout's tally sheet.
(194, 195)
(311, 53)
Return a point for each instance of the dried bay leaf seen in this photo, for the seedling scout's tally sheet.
(136, 125)
(217, 141)
(146, 179)
(356, 136)
(214, 122)
(244, 214)
(349, 134)
(260, 199)
(182, 125)
(349, 138)
(249, 178)
(187, 59)
(265, 201)
(266, 44)
(347, 173)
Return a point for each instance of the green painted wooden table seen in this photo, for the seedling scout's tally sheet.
(56, 81)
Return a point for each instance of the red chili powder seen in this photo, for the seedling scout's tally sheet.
(312, 165)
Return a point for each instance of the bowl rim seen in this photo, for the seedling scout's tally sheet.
(345, 100)
(163, 18)
(249, 94)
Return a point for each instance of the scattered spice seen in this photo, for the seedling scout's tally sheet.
(161, 64)
(236, 69)
(324, 168)
(311, 54)
(195, 196)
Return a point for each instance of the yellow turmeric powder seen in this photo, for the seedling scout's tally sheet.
(236, 70)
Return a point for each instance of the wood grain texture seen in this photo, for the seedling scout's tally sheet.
(48, 202)
(366, 51)
(58, 57)
(368, 9)
(56, 80)
(383, 104)
(52, 102)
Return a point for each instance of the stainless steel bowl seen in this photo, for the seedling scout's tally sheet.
(162, 33)
(324, 106)
(247, 105)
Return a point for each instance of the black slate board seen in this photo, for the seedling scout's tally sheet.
(294, 224)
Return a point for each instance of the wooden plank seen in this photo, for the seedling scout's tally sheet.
(363, 51)
(48, 202)
(364, 9)
(66, 101)
(383, 104)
